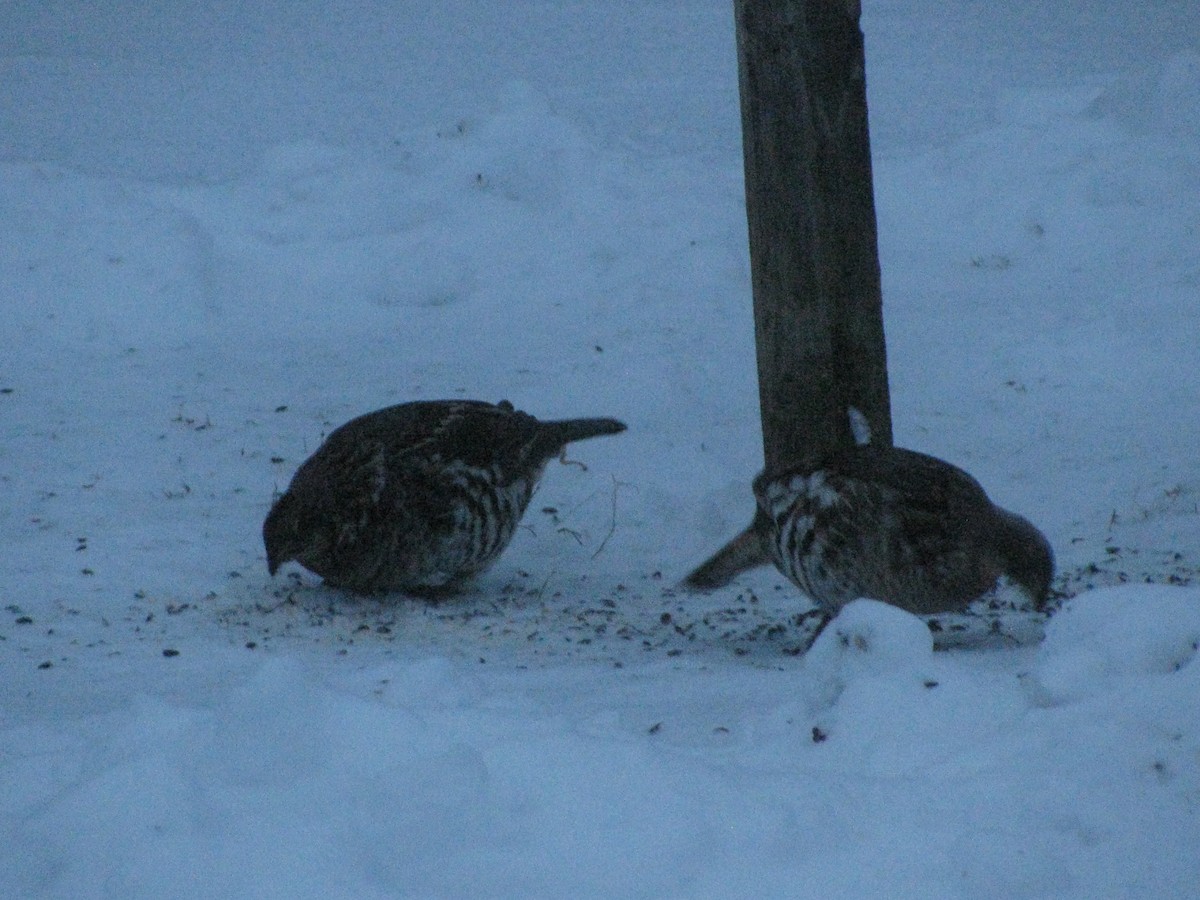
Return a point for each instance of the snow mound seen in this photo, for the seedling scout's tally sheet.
(1113, 634)
(866, 639)
(866, 677)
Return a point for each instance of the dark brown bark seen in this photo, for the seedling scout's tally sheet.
(810, 207)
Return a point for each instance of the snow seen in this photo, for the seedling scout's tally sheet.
(227, 229)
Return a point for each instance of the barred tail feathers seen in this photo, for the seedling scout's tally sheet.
(746, 551)
(556, 435)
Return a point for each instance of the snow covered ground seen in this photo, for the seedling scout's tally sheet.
(226, 228)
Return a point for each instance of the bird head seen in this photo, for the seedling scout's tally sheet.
(282, 534)
(1026, 556)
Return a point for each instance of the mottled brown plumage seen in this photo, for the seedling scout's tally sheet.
(889, 524)
(416, 497)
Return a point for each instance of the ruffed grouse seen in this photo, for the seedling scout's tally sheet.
(888, 524)
(416, 497)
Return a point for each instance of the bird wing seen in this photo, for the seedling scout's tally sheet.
(923, 482)
(476, 433)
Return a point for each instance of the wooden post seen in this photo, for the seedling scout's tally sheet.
(810, 207)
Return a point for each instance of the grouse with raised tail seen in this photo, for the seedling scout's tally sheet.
(416, 497)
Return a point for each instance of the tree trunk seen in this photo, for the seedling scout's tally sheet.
(810, 206)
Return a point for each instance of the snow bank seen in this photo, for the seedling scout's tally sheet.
(871, 764)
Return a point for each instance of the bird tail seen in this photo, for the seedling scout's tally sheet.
(556, 435)
(746, 551)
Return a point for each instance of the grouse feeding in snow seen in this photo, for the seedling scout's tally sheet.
(416, 497)
(888, 524)
(897, 526)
